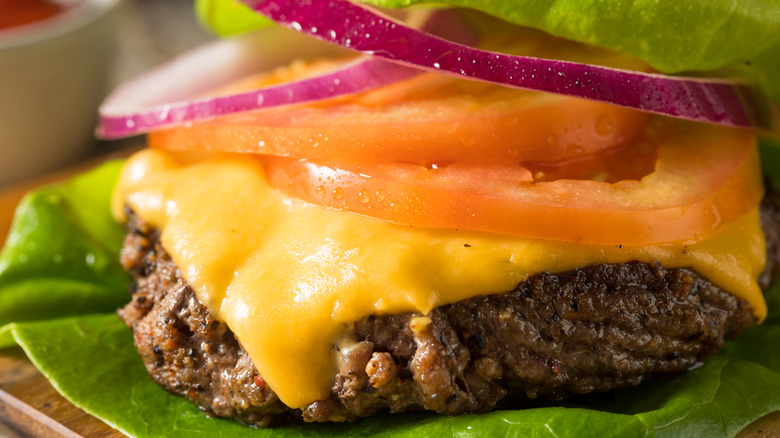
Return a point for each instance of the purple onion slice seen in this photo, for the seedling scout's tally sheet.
(165, 96)
(360, 29)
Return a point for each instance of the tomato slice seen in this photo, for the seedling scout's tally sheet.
(704, 176)
(429, 119)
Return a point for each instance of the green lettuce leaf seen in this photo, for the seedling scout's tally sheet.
(671, 35)
(6, 336)
(107, 379)
(228, 17)
(765, 68)
(91, 359)
(61, 254)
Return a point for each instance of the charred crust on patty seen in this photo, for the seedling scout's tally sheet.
(593, 329)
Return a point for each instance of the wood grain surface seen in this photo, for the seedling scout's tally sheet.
(31, 407)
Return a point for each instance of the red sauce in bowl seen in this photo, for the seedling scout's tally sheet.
(18, 12)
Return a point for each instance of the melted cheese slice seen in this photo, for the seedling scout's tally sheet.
(288, 277)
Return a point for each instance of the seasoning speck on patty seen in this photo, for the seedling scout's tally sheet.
(587, 330)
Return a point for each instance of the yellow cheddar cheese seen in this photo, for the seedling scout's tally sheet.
(288, 277)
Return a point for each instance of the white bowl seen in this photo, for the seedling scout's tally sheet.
(53, 75)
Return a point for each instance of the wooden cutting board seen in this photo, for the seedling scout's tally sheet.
(30, 406)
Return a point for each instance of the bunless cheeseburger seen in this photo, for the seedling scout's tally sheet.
(437, 243)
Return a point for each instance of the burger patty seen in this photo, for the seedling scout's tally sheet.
(594, 329)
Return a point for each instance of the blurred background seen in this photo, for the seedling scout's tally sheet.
(42, 68)
(152, 31)
(54, 73)
(139, 35)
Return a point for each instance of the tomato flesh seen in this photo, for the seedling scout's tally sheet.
(437, 151)
(429, 119)
(704, 177)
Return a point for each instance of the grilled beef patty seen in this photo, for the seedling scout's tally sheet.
(594, 329)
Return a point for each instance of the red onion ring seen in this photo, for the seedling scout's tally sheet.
(360, 29)
(162, 97)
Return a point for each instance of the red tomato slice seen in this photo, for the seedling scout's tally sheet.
(704, 176)
(430, 119)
